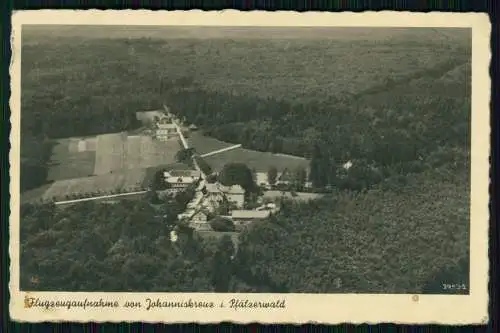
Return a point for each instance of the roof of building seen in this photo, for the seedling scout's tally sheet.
(250, 214)
(166, 126)
(261, 178)
(219, 188)
(184, 173)
(234, 189)
(186, 180)
(213, 188)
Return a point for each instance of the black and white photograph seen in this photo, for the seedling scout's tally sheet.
(248, 160)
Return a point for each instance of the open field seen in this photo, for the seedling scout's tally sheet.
(102, 164)
(259, 161)
(72, 158)
(204, 144)
(124, 181)
(108, 153)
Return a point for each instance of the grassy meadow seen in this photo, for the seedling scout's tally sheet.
(103, 164)
(256, 160)
(205, 144)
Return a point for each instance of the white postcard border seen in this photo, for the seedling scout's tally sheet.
(300, 308)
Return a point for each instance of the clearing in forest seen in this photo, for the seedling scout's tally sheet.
(204, 144)
(256, 160)
(108, 153)
(72, 158)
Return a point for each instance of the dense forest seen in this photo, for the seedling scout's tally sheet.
(401, 127)
(68, 91)
(397, 220)
(114, 247)
(92, 246)
(310, 247)
(326, 245)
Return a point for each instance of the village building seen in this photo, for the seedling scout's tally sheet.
(165, 129)
(268, 206)
(180, 180)
(289, 177)
(242, 218)
(215, 194)
(285, 178)
(262, 179)
(196, 218)
(235, 194)
(199, 217)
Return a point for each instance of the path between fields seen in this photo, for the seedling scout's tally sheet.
(221, 150)
(99, 197)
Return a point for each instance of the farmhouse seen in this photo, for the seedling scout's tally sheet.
(217, 192)
(180, 181)
(165, 129)
(244, 217)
